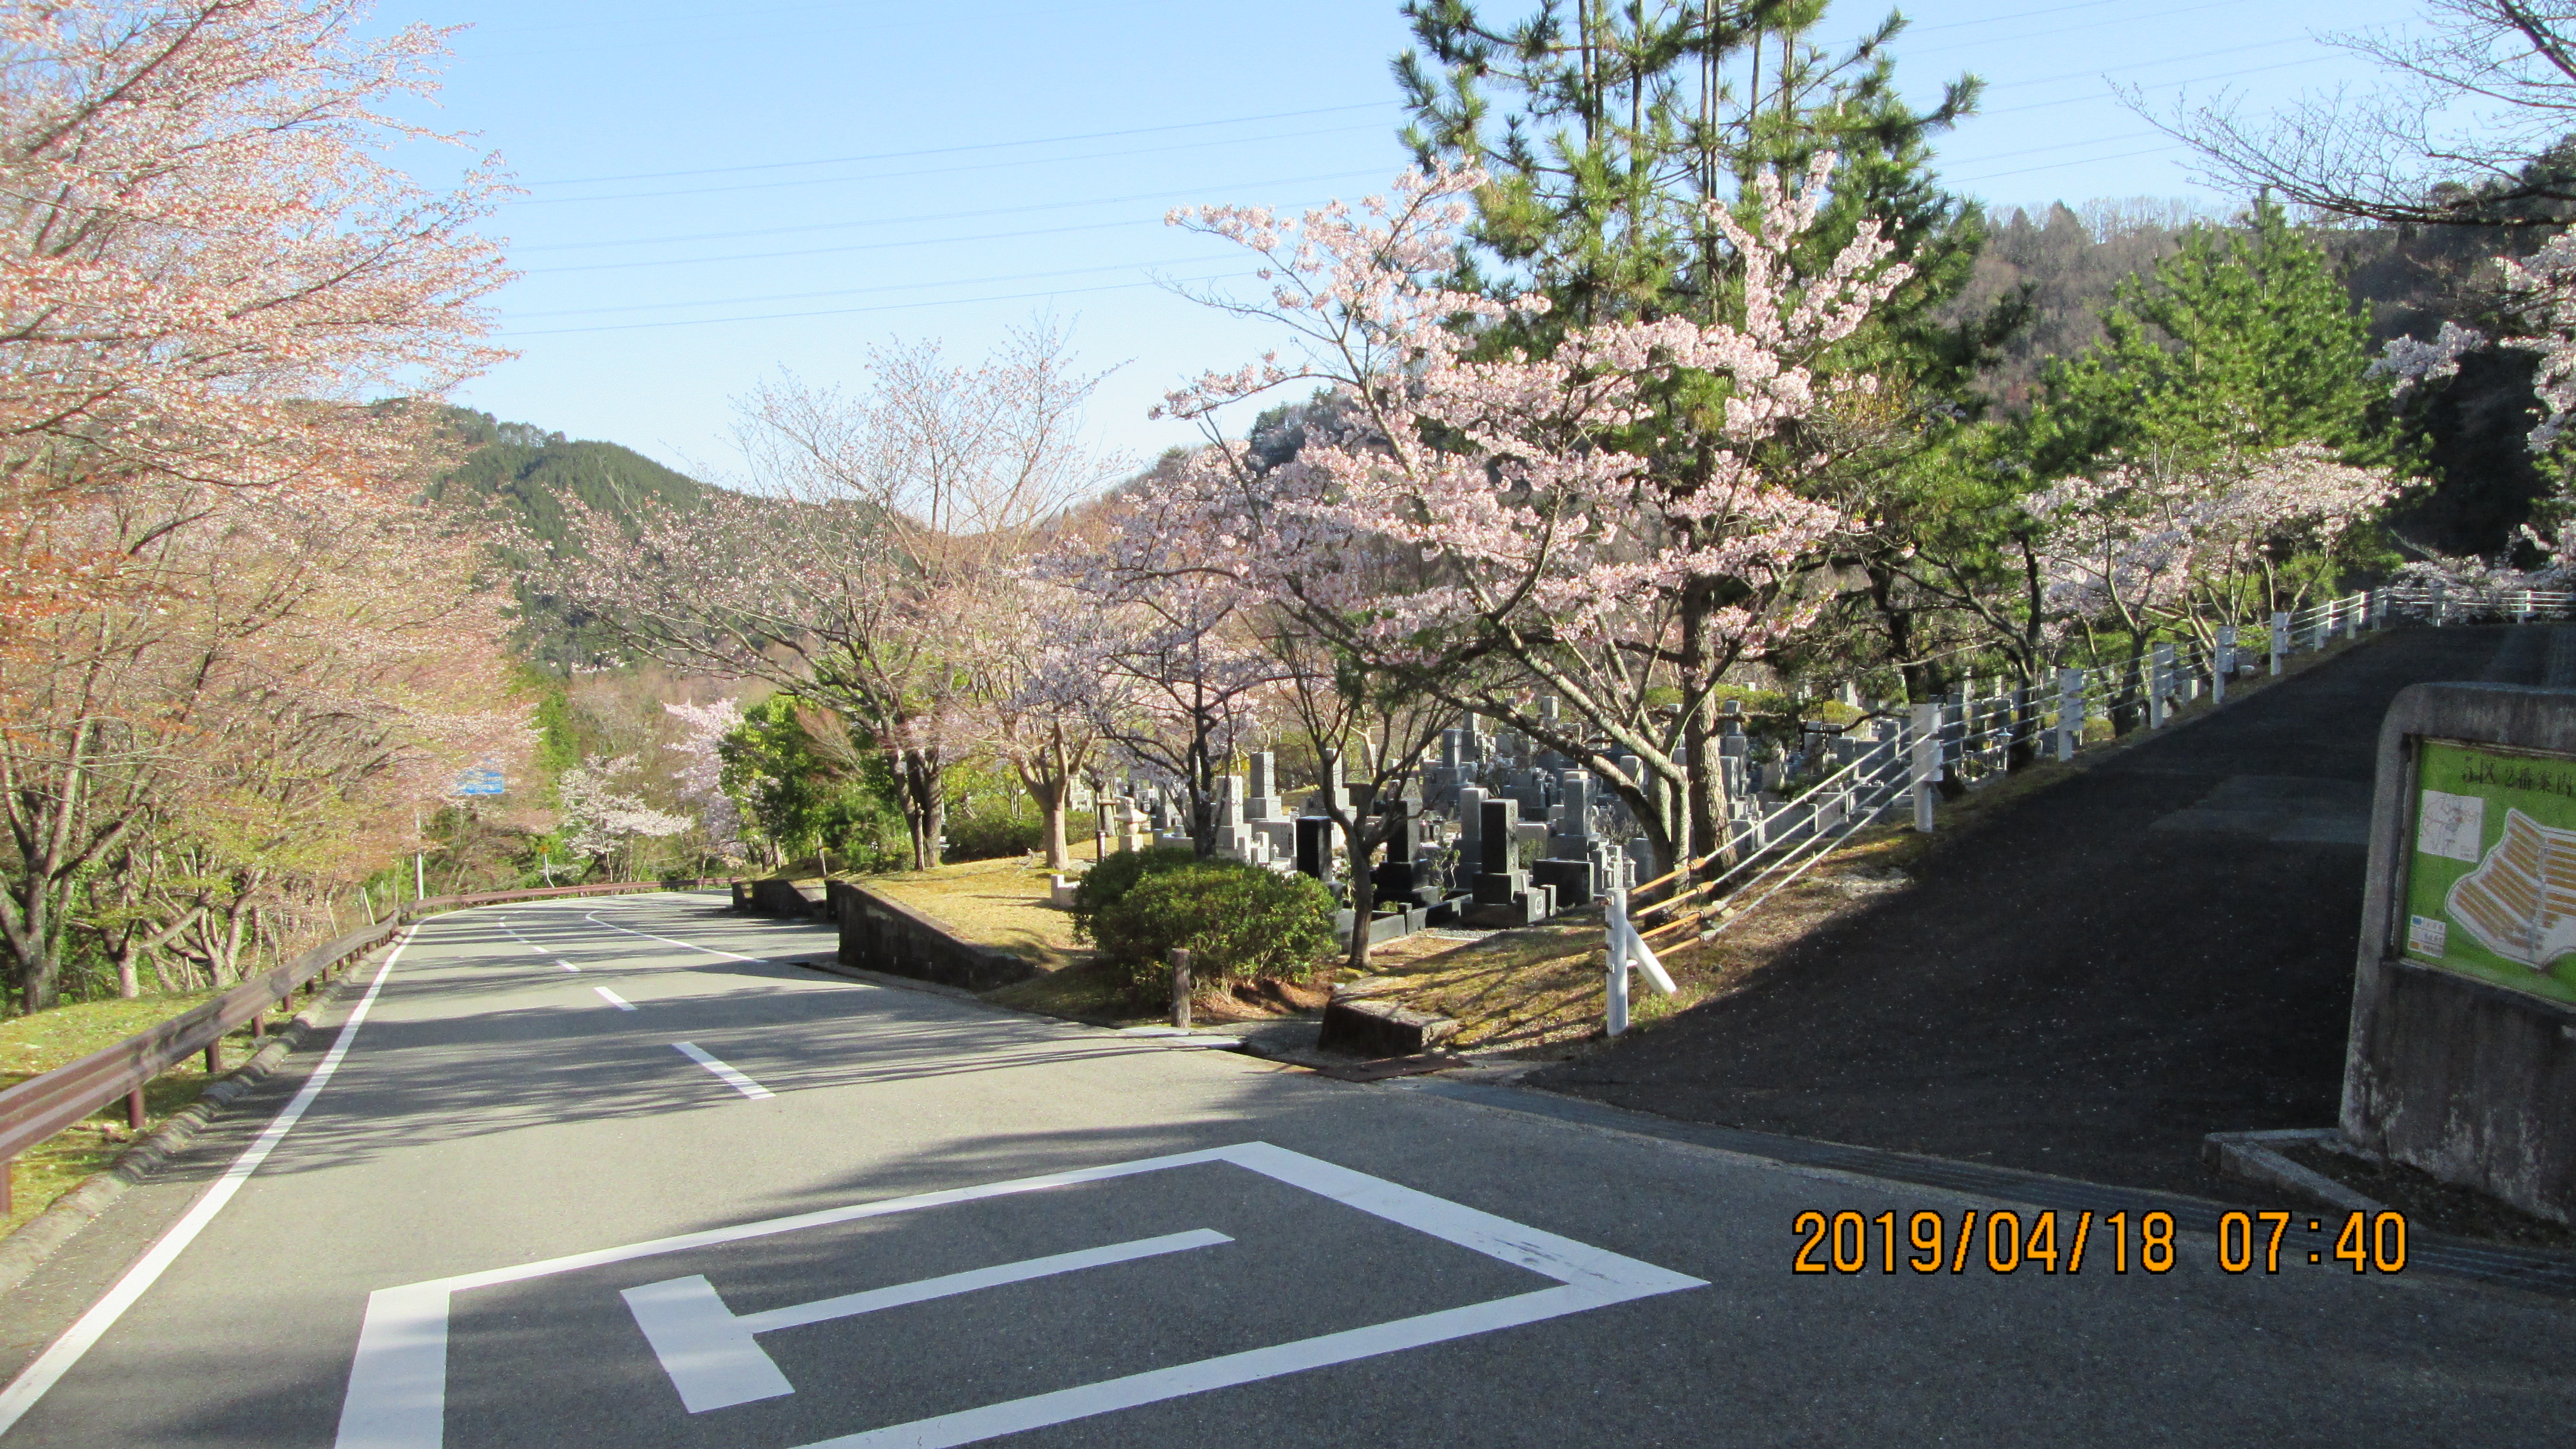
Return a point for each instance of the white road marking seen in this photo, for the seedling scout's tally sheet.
(397, 1395)
(55, 1361)
(613, 999)
(715, 1360)
(669, 941)
(728, 1075)
(567, 965)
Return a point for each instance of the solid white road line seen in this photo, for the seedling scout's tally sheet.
(54, 1362)
(713, 1354)
(726, 1074)
(670, 941)
(613, 999)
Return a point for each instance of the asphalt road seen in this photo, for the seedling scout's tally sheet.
(518, 1213)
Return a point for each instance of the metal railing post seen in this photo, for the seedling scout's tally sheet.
(2223, 665)
(2070, 712)
(1615, 956)
(2280, 638)
(2160, 686)
(1927, 760)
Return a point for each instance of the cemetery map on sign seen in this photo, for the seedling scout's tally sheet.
(2491, 881)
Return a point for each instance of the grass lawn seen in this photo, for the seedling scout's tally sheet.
(33, 1044)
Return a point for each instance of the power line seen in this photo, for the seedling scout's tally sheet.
(1192, 193)
(2159, 86)
(2020, 36)
(879, 307)
(865, 291)
(948, 170)
(980, 146)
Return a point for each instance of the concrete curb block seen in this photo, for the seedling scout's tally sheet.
(2255, 1157)
(23, 1251)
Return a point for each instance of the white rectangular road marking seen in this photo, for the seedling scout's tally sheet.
(730, 1077)
(567, 965)
(715, 1360)
(613, 999)
(397, 1395)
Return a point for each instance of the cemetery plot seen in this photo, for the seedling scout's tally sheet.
(957, 1316)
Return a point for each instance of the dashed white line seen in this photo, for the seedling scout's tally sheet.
(726, 1074)
(613, 999)
(567, 965)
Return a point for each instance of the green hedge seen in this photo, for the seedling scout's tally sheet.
(1102, 885)
(1237, 921)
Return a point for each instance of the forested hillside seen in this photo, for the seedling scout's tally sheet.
(2480, 478)
(528, 481)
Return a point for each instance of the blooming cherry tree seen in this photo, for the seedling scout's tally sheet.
(1613, 523)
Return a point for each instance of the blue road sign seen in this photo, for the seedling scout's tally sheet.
(479, 782)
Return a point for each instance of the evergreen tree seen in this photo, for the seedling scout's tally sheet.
(2242, 341)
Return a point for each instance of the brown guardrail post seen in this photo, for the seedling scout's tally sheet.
(8, 1169)
(134, 1109)
(1181, 989)
(215, 1058)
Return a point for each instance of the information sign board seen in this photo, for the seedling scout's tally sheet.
(2491, 871)
(479, 782)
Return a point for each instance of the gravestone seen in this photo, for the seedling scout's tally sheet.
(1315, 847)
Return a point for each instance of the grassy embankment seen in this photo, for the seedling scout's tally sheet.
(49, 1039)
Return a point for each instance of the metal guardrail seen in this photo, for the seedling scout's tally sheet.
(1969, 737)
(33, 1111)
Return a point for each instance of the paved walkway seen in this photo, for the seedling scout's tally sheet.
(2159, 948)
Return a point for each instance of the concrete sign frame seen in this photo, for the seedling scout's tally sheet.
(2453, 1065)
(398, 1377)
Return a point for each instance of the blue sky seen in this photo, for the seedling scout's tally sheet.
(714, 193)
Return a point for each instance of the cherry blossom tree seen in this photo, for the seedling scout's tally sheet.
(243, 721)
(1614, 524)
(208, 262)
(2153, 544)
(601, 813)
(699, 775)
(1159, 660)
(877, 562)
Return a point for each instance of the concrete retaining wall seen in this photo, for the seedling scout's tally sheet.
(882, 934)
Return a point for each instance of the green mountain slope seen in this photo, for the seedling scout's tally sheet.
(524, 478)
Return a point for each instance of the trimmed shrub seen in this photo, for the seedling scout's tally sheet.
(1237, 921)
(1102, 885)
(991, 837)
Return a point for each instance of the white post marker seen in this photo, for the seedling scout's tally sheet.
(2160, 686)
(725, 1074)
(2070, 712)
(2280, 638)
(1627, 948)
(1927, 760)
(2224, 665)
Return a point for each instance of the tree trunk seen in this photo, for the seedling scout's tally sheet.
(1703, 774)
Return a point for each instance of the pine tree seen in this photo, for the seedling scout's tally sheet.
(2242, 341)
